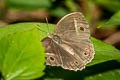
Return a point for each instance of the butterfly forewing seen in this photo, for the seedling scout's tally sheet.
(68, 23)
(74, 29)
(52, 57)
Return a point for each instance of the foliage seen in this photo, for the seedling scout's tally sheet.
(53, 5)
(114, 20)
(111, 5)
(27, 5)
(21, 53)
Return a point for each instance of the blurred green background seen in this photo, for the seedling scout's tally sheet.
(103, 17)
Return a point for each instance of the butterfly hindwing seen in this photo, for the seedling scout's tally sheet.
(62, 58)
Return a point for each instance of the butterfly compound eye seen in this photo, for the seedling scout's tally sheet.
(56, 38)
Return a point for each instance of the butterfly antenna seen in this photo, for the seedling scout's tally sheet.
(47, 25)
(38, 26)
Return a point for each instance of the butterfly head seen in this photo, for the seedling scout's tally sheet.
(56, 39)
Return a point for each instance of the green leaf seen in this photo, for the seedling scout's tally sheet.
(59, 12)
(12, 29)
(28, 5)
(71, 5)
(112, 5)
(114, 20)
(101, 23)
(104, 52)
(21, 53)
(112, 75)
(20, 27)
(52, 79)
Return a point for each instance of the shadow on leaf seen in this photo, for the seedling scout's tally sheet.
(58, 72)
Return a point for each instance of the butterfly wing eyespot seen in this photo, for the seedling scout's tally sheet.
(85, 53)
(51, 58)
(76, 63)
(81, 28)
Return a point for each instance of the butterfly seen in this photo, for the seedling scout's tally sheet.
(70, 46)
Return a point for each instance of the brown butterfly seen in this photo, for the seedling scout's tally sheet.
(70, 46)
